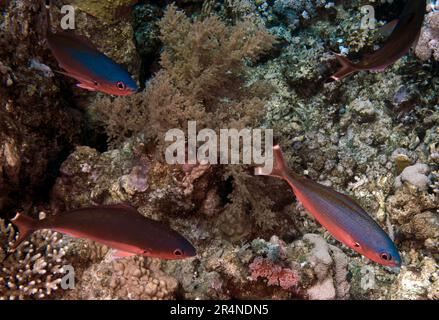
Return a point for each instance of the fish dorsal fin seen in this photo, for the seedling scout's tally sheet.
(383, 32)
(122, 206)
(78, 37)
(388, 28)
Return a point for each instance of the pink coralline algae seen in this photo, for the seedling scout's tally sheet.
(275, 274)
(137, 179)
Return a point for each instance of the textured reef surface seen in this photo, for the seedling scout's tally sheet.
(224, 64)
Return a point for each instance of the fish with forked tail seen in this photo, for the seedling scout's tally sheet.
(398, 44)
(120, 227)
(339, 214)
(82, 61)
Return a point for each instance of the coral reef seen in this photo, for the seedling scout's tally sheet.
(225, 64)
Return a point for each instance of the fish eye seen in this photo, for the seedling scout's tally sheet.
(120, 85)
(385, 256)
(178, 252)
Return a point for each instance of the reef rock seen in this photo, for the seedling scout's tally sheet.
(127, 278)
(416, 175)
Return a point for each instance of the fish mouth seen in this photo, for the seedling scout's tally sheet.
(396, 269)
(394, 264)
(133, 91)
(127, 92)
(192, 252)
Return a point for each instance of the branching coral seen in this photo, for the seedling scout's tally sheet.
(35, 270)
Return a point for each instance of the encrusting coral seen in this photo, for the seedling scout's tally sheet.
(124, 279)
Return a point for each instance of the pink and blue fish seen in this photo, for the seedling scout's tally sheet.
(339, 214)
(82, 61)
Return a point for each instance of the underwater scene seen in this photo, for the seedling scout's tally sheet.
(218, 150)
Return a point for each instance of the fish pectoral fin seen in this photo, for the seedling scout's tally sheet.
(86, 86)
(118, 254)
(66, 74)
(75, 76)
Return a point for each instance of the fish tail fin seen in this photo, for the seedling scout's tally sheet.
(347, 67)
(279, 169)
(26, 225)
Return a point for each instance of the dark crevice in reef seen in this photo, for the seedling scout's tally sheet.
(148, 44)
(96, 137)
(225, 191)
(390, 11)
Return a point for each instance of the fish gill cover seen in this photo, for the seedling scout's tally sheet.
(225, 64)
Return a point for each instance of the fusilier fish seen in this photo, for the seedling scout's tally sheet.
(82, 61)
(403, 37)
(339, 214)
(120, 227)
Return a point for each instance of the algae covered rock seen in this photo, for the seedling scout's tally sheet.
(106, 11)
